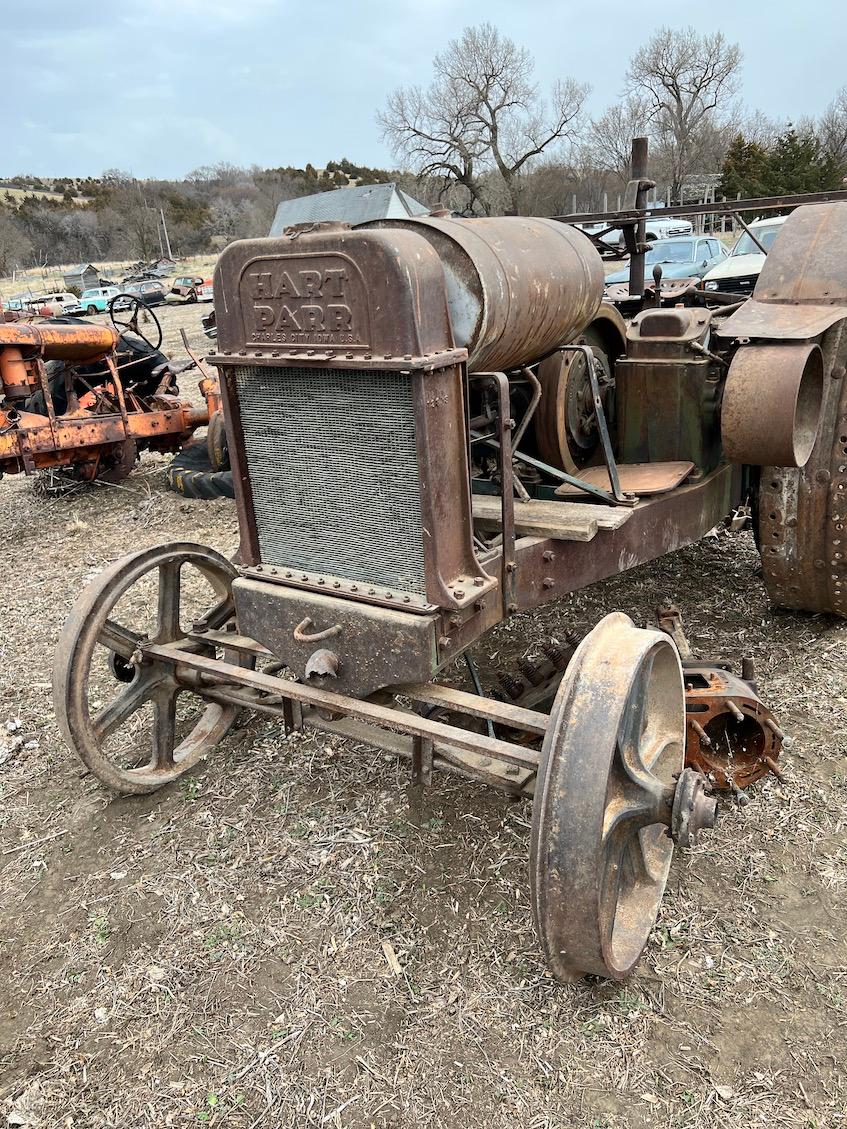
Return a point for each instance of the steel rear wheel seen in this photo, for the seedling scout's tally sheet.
(802, 513)
(600, 850)
(126, 717)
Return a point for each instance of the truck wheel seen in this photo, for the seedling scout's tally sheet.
(802, 518)
(191, 474)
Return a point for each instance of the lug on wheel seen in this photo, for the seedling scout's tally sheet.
(126, 716)
(611, 791)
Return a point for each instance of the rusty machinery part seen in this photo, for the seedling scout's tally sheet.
(693, 808)
(602, 817)
(216, 442)
(79, 398)
(802, 514)
(58, 341)
(566, 423)
(135, 769)
(111, 464)
(130, 322)
(517, 287)
(772, 404)
(190, 473)
(730, 734)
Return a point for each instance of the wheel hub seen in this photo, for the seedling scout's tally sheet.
(694, 809)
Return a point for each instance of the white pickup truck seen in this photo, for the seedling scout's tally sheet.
(654, 228)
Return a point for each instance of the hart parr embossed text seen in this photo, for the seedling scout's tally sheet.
(303, 301)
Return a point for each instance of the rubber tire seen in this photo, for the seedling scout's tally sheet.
(191, 474)
(91, 310)
(216, 442)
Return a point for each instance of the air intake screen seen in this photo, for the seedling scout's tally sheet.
(334, 472)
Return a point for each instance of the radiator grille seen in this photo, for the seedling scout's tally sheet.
(334, 473)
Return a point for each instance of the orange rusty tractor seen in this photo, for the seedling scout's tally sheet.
(88, 398)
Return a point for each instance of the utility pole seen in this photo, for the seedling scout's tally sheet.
(165, 229)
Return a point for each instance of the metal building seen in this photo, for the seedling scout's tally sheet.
(351, 205)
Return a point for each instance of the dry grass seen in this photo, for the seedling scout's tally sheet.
(225, 953)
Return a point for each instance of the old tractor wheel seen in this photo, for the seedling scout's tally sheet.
(802, 515)
(565, 423)
(191, 474)
(119, 463)
(128, 719)
(216, 442)
(600, 852)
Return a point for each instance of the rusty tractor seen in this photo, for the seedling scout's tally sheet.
(434, 424)
(88, 398)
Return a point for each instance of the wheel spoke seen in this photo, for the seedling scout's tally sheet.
(635, 745)
(126, 704)
(169, 593)
(164, 728)
(626, 815)
(119, 639)
(217, 616)
(610, 886)
(635, 870)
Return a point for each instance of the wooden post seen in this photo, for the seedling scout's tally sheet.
(639, 172)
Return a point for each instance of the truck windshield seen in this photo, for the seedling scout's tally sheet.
(765, 235)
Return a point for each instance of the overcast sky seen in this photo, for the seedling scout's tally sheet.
(159, 87)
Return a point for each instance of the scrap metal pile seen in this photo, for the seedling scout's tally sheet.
(433, 425)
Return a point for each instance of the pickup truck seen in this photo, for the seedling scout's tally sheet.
(655, 229)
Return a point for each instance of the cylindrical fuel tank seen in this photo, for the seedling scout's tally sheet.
(517, 287)
(60, 342)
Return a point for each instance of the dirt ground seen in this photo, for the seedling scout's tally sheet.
(215, 954)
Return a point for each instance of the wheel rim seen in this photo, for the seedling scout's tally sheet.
(111, 737)
(600, 853)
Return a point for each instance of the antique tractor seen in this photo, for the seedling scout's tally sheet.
(87, 398)
(434, 425)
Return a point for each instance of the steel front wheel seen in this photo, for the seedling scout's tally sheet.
(600, 852)
(127, 718)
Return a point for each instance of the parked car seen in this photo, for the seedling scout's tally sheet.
(740, 271)
(52, 305)
(191, 288)
(94, 301)
(654, 229)
(151, 293)
(679, 258)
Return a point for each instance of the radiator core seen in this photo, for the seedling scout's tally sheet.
(333, 466)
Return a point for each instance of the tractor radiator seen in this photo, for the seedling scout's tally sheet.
(333, 467)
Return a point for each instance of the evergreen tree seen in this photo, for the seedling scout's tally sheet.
(744, 169)
(796, 164)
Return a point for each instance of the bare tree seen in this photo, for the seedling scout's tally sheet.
(481, 112)
(14, 245)
(434, 130)
(610, 138)
(832, 130)
(688, 81)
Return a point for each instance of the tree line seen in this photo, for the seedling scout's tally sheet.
(482, 138)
